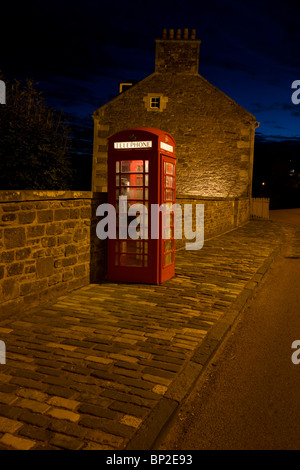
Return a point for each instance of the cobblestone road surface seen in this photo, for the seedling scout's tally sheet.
(106, 365)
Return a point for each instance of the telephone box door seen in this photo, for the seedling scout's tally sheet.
(168, 197)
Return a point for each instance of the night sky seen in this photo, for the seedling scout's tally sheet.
(79, 51)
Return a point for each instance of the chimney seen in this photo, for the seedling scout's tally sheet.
(177, 53)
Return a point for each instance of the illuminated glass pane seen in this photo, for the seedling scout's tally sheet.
(117, 167)
(169, 194)
(169, 181)
(146, 180)
(117, 180)
(134, 193)
(168, 245)
(168, 258)
(146, 166)
(146, 194)
(125, 180)
(131, 246)
(132, 166)
(139, 180)
(169, 168)
(132, 179)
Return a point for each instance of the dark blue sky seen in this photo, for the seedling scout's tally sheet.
(79, 51)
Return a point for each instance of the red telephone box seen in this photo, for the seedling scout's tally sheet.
(142, 170)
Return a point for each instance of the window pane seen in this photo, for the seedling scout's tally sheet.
(170, 181)
(169, 168)
(146, 166)
(169, 194)
(117, 167)
(134, 193)
(155, 102)
(168, 258)
(168, 245)
(132, 166)
(146, 180)
(132, 179)
(131, 246)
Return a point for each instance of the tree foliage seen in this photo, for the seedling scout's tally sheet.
(34, 141)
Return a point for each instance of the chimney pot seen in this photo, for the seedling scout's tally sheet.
(171, 34)
(193, 34)
(185, 33)
(164, 33)
(178, 35)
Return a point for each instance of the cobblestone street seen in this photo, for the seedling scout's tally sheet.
(105, 366)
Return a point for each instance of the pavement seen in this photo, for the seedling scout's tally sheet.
(107, 365)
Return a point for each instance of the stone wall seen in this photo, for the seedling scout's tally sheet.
(214, 135)
(48, 245)
(48, 242)
(220, 215)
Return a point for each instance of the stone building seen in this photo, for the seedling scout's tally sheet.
(214, 135)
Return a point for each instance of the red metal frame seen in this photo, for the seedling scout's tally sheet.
(130, 178)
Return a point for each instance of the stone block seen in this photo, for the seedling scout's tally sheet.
(35, 231)
(74, 213)
(54, 229)
(61, 214)
(10, 207)
(27, 217)
(10, 289)
(48, 241)
(9, 217)
(23, 253)
(34, 286)
(45, 216)
(15, 269)
(80, 270)
(80, 234)
(14, 237)
(7, 256)
(44, 267)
